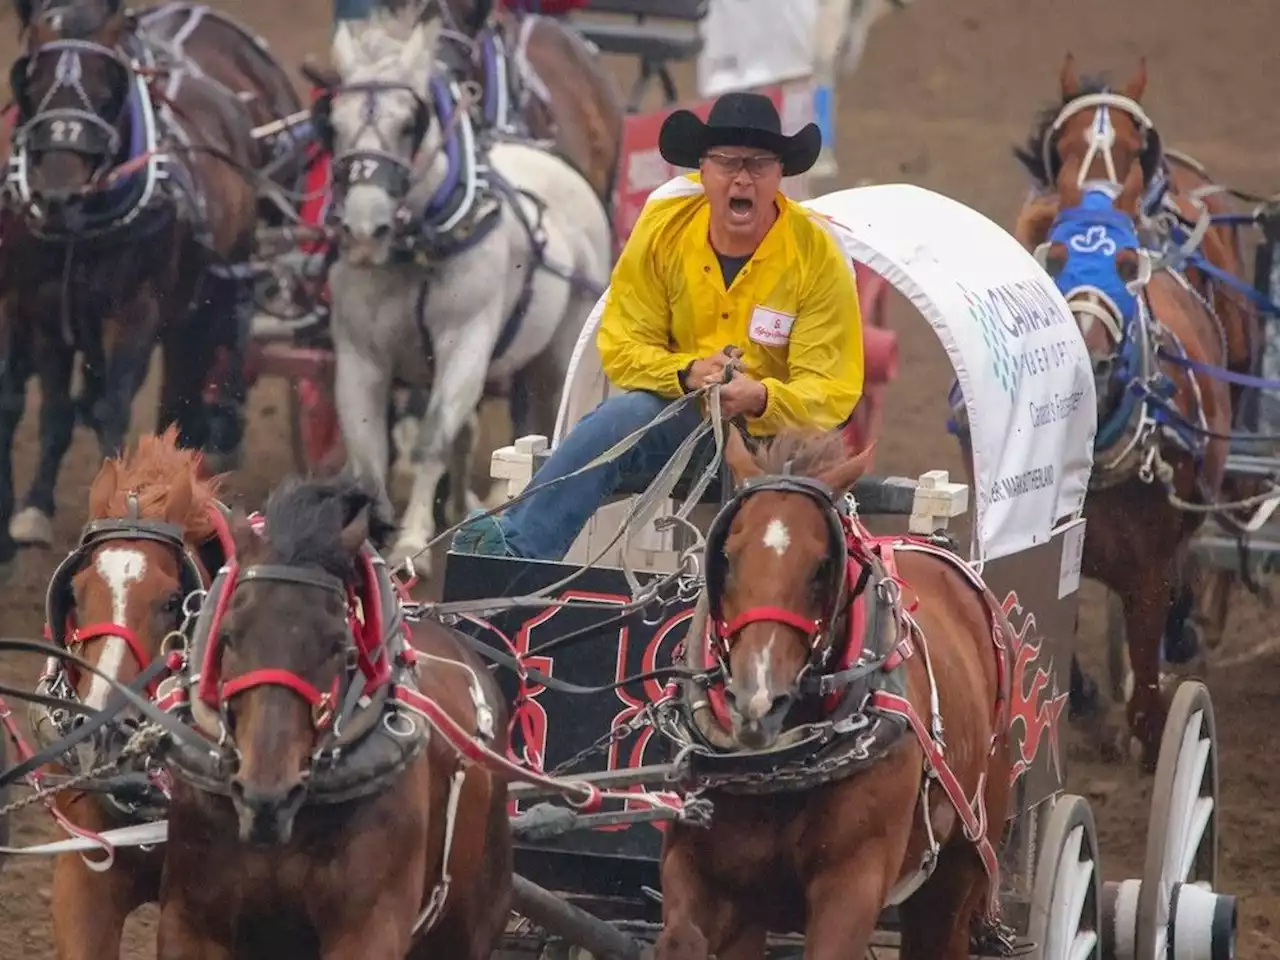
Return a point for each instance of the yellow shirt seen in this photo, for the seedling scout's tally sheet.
(668, 306)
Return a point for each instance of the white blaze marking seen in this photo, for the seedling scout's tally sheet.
(776, 536)
(760, 702)
(120, 568)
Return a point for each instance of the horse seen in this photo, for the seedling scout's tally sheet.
(797, 592)
(331, 824)
(110, 159)
(1163, 430)
(1104, 135)
(458, 264)
(1107, 134)
(154, 534)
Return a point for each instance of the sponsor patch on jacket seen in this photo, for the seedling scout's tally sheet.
(770, 328)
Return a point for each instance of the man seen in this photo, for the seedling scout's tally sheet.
(730, 261)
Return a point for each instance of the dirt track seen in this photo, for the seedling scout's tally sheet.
(944, 90)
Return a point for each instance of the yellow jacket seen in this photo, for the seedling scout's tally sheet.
(667, 306)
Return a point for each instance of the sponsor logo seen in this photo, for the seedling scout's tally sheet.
(1005, 315)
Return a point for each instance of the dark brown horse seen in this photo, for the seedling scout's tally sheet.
(332, 825)
(797, 590)
(151, 540)
(105, 256)
(1156, 449)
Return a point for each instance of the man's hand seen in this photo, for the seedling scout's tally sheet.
(707, 370)
(742, 395)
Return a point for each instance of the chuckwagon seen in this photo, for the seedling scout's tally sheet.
(1014, 349)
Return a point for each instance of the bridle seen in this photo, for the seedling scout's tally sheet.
(60, 623)
(845, 577)
(1101, 138)
(323, 703)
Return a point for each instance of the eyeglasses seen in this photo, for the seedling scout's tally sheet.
(756, 166)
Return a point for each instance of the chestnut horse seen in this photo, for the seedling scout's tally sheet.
(1105, 141)
(1106, 135)
(91, 199)
(151, 539)
(322, 819)
(797, 593)
(1162, 428)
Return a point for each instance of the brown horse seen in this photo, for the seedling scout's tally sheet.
(91, 201)
(1162, 445)
(331, 824)
(151, 539)
(1090, 113)
(797, 591)
(1105, 141)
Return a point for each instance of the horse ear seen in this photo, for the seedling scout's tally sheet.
(104, 488)
(1131, 193)
(741, 463)
(843, 477)
(181, 495)
(25, 10)
(1069, 78)
(1137, 84)
(345, 54)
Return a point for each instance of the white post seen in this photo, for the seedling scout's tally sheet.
(937, 500)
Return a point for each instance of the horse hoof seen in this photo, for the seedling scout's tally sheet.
(32, 527)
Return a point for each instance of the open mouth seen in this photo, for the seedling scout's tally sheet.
(740, 208)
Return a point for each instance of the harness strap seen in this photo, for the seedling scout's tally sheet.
(322, 704)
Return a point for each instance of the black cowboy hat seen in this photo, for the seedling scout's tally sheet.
(738, 120)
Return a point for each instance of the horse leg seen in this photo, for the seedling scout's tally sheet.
(126, 371)
(224, 414)
(180, 937)
(455, 397)
(698, 921)
(14, 373)
(89, 909)
(362, 390)
(845, 901)
(33, 525)
(1146, 602)
(937, 920)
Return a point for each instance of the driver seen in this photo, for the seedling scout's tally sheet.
(718, 257)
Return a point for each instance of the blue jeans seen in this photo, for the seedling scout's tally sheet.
(544, 526)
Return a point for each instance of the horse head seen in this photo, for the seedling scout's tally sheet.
(72, 89)
(776, 576)
(120, 598)
(377, 121)
(1097, 261)
(1099, 132)
(284, 642)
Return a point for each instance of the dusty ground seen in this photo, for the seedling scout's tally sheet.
(944, 90)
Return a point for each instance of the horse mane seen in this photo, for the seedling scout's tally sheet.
(305, 519)
(80, 18)
(147, 476)
(1031, 153)
(802, 452)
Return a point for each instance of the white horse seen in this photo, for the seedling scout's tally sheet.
(493, 282)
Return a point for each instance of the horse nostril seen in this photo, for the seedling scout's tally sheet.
(382, 231)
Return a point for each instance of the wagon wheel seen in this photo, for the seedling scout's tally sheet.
(1066, 918)
(1182, 837)
(1120, 675)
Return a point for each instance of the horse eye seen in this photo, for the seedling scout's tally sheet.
(1128, 270)
(173, 603)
